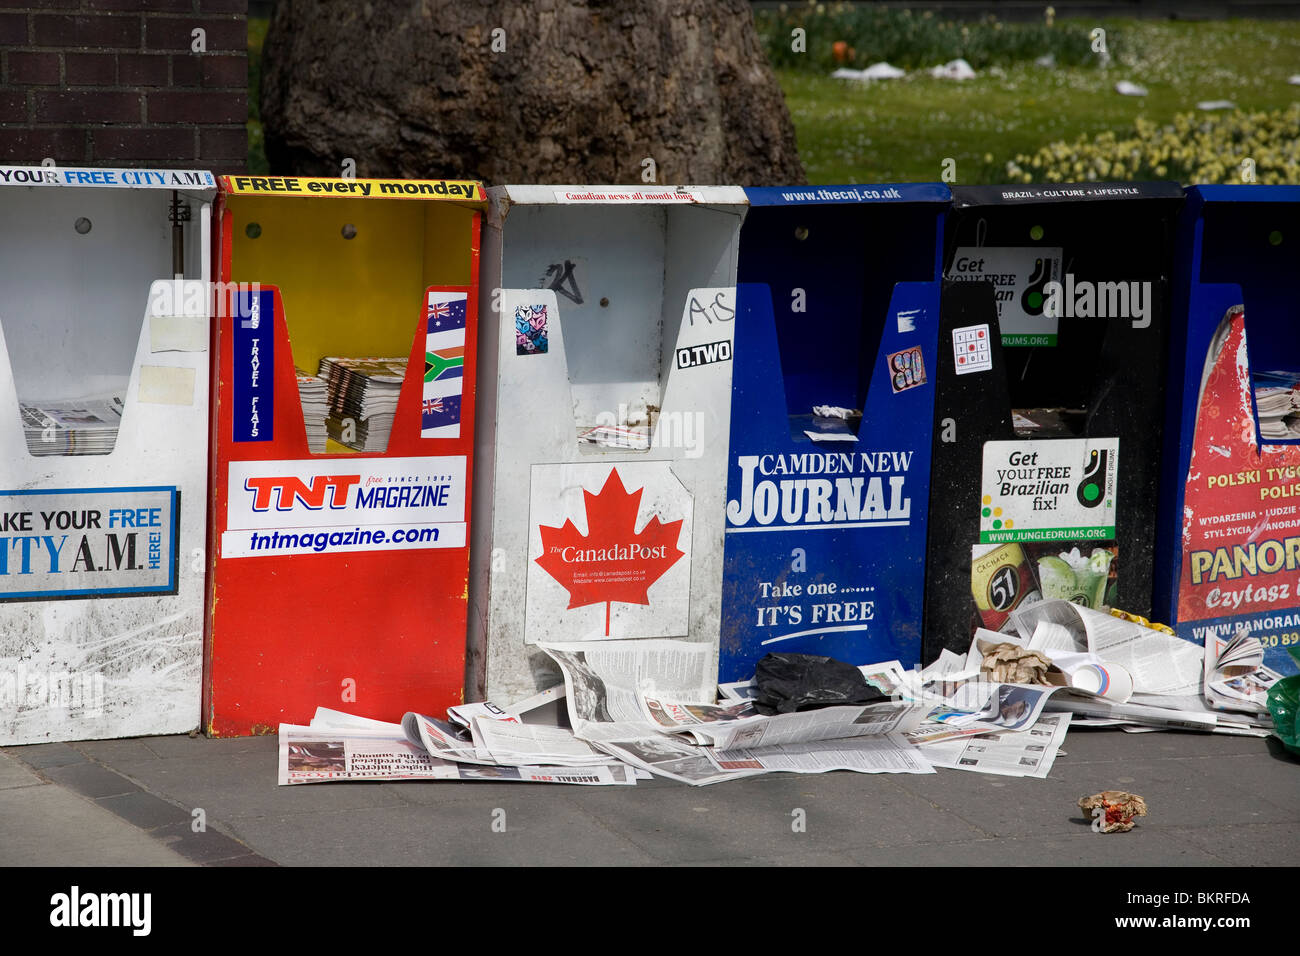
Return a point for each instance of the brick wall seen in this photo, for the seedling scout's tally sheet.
(118, 83)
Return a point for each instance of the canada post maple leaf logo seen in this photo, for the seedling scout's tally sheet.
(613, 561)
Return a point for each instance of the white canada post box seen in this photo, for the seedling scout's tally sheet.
(605, 390)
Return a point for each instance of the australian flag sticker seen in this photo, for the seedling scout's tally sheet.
(444, 365)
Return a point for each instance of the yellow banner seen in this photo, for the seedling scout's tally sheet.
(461, 189)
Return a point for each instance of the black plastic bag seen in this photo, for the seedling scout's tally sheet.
(793, 682)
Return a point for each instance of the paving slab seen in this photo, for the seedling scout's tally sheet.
(1113, 744)
(1255, 844)
(1175, 790)
(183, 745)
(109, 751)
(90, 779)
(14, 773)
(1274, 780)
(1217, 801)
(205, 846)
(752, 818)
(236, 785)
(457, 834)
(41, 756)
(145, 810)
(50, 826)
(1081, 848)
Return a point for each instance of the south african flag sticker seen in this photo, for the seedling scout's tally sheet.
(444, 365)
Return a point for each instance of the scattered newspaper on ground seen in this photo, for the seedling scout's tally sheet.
(338, 746)
(624, 700)
(882, 753)
(650, 707)
(738, 726)
(513, 743)
(1235, 676)
(1010, 753)
(1159, 663)
(604, 680)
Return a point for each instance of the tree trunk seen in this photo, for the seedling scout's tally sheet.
(554, 91)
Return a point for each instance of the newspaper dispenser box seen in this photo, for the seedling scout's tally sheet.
(1052, 341)
(606, 374)
(838, 308)
(341, 490)
(1228, 555)
(104, 315)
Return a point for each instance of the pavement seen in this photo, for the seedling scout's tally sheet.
(1214, 801)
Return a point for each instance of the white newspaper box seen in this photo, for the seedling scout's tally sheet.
(104, 332)
(605, 397)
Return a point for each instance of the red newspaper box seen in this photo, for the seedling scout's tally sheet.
(341, 449)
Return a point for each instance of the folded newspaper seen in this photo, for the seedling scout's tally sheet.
(313, 392)
(361, 399)
(1235, 676)
(82, 426)
(1174, 684)
(339, 747)
(651, 703)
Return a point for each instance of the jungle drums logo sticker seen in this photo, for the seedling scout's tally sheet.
(1031, 300)
(613, 561)
(1092, 489)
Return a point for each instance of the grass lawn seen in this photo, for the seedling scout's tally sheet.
(901, 130)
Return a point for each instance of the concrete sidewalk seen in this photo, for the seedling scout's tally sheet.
(1214, 800)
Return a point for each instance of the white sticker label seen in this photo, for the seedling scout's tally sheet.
(627, 195)
(970, 349)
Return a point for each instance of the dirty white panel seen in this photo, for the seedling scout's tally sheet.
(611, 258)
(71, 302)
(117, 650)
(667, 272)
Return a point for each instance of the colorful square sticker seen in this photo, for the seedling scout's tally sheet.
(970, 349)
(906, 369)
(530, 330)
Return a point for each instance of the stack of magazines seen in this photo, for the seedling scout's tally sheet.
(1277, 397)
(314, 393)
(83, 426)
(362, 399)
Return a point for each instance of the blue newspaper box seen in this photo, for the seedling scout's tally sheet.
(1228, 552)
(837, 311)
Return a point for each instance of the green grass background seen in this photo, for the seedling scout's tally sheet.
(902, 130)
